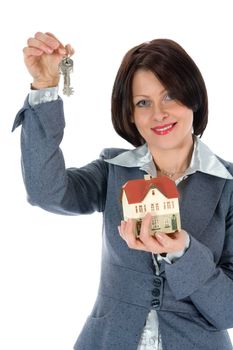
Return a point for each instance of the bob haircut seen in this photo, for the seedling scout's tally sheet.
(176, 71)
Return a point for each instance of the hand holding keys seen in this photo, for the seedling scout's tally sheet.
(44, 59)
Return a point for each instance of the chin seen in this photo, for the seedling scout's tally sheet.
(165, 145)
(169, 143)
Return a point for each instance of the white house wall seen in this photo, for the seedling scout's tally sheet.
(145, 206)
(127, 209)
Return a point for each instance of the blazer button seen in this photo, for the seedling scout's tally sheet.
(155, 303)
(156, 292)
(157, 282)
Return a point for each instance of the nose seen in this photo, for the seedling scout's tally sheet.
(159, 114)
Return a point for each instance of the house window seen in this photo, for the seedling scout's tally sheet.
(168, 205)
(166, 223)
(140, 209)
(157, 206)
(144, 207)
(152, 207)
(155, 224)
(153, 192)
(136, 208)
(173, 206)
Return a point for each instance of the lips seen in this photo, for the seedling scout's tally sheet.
(163, 129)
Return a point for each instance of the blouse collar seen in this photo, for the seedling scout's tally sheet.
(203, 160)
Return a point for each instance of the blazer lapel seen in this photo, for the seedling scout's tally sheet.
(199, 196)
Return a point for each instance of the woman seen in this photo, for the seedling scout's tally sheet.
(170, 292)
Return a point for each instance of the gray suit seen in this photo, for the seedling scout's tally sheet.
(194, 296)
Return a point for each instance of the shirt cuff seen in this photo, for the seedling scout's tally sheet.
(170, 258)
(42, 96)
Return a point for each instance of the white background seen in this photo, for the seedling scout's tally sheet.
(49, 264)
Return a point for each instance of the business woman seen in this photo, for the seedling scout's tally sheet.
(169, 292)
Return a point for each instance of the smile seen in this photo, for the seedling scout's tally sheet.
(163, 130)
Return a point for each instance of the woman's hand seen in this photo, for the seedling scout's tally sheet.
(158, 244)
(42, 57)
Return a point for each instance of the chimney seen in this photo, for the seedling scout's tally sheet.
(147, 177)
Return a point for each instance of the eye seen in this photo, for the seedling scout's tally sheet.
(143, 103)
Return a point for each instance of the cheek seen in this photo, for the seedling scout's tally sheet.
(190, 121)
(186, 117)
(142, 127)
(140, 121)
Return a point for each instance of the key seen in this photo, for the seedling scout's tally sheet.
(66, 67)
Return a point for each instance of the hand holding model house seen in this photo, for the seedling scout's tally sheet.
(159, 196)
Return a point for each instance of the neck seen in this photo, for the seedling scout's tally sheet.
(173, 162)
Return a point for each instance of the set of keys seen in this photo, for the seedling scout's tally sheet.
(66, 67)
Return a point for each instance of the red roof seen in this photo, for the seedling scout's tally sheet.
(136, 190)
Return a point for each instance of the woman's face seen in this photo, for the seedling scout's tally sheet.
(162, 121)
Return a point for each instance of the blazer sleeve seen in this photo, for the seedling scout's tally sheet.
(209, 285)
(48, 183)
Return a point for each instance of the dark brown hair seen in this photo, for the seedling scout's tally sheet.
(176, 71)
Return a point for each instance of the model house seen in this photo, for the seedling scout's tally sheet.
(159, 196)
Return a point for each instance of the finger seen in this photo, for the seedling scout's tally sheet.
(138, 245)
(32, 51)
(38, 44)
(51, 41)
(165, 241)
(146, 226)
(129, 232)
(131, 239)
(121, 229)
(63, 50)
(53, 36)
(125, 229)
(69, 50)
(48, 39)
(171, 244)
(146, 237)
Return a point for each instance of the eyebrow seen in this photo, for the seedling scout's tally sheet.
(140, 96)
(147, 96)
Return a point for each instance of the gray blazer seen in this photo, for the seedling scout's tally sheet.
(193, 297)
